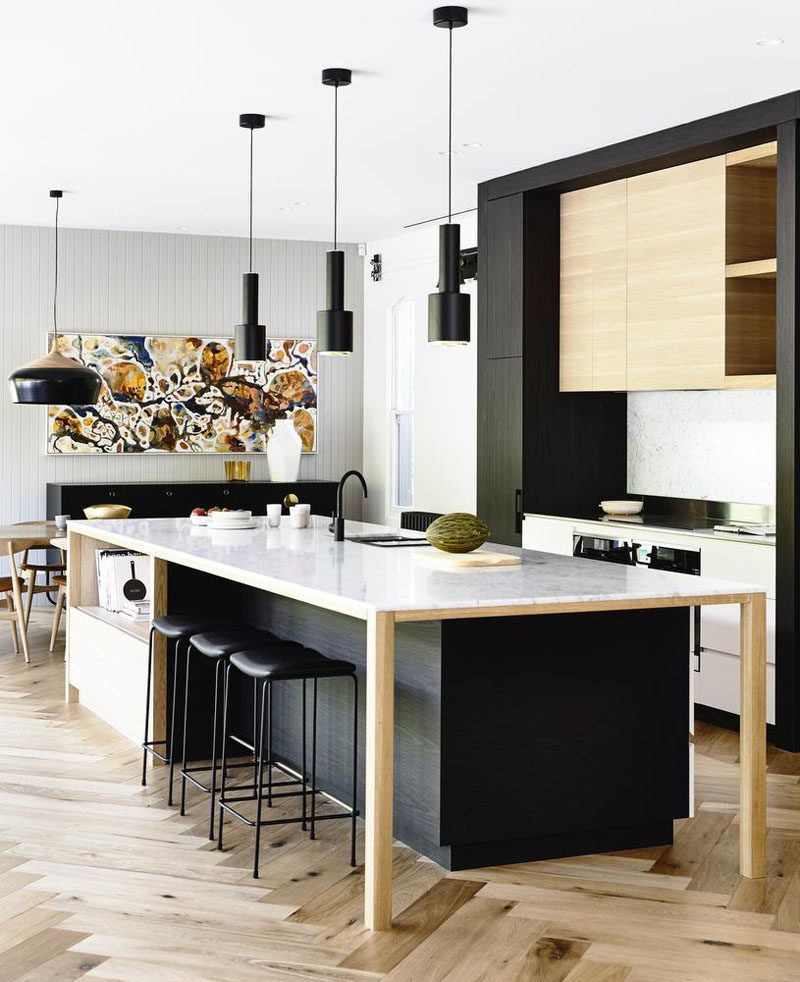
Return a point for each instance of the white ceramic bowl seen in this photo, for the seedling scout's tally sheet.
(198, 519)
(622, 507)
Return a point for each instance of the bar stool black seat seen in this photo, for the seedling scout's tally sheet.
(217, 645)
(178, 628)
(267, 665)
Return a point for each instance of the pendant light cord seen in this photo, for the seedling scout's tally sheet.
(450, 130)
(251, 200)
(335, 167)
(55, 284)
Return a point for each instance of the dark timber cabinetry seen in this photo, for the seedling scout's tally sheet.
(572, 450)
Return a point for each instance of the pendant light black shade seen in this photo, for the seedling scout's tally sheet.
(251, 337)
(55, 379)
(449, 309)
(334, 323)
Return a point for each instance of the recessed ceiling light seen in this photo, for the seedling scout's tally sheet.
(472, 146)
(300, 204)
(769, 42)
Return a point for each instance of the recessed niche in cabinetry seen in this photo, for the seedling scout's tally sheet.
(751, 264)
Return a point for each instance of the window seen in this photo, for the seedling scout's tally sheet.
(401, 403)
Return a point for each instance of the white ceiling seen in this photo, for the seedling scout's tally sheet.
(132, 107)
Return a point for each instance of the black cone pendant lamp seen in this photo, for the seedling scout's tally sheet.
(448, 310)
(335, 324)
(251, 337)
(55, 379)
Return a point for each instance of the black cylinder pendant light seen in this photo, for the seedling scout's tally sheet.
(55, 380)
(251, 337)
(335, 324)
(448, 309)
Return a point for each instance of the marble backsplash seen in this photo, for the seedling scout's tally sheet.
(717, 445)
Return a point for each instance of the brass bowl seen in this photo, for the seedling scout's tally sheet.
(237, 470)
(107, 511)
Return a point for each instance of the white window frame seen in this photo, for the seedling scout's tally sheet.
(404, 307)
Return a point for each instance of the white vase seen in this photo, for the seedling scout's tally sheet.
(283, 451)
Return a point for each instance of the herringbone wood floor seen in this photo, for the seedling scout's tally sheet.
(99, 879)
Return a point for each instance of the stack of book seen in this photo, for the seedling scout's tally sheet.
(123, 582)
(136, 610)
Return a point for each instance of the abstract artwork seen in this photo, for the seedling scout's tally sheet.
(165, 394)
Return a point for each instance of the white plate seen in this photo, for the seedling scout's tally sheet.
(233, 526)
(198, 519)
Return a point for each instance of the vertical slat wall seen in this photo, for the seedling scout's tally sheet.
(151, 283)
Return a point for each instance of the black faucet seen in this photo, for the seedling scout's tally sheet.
(338, 517)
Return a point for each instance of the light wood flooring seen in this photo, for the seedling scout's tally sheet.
(99, 879)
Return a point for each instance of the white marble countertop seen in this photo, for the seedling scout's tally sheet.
(308, 564)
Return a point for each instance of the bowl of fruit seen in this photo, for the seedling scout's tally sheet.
(198, 516)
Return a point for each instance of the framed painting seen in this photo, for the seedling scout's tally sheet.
(171, 394)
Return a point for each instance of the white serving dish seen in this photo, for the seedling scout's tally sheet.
(622, 507)
(227, 519)
(198, 519)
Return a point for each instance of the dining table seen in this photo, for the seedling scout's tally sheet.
(14, 539)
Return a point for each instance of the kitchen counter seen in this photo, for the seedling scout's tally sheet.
(661, 523)
(361, 579)
(464, 678)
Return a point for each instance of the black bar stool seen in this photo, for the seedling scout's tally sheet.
(178, 628)
(266, 665)
(218, 645)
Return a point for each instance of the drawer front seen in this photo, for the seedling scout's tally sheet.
(720, 629)
(718, 683)
(743, 562)
(547, 535)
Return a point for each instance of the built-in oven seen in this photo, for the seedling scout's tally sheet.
(605, 549)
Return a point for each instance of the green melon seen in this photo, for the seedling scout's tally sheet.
(458, 532)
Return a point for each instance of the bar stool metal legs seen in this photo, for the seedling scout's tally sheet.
(264, 751)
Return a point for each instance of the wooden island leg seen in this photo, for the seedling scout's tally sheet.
(378, 776)
(753, 739)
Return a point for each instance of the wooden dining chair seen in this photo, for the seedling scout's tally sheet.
(29, 571)
(61, 581)
(11, 589)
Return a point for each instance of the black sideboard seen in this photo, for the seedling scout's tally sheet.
(178, 498)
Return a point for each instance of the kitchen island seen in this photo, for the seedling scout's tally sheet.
(403, 613)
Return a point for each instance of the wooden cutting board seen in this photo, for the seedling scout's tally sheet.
(466, 560)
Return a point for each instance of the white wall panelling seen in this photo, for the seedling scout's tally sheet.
(153, 283)
(716, 445)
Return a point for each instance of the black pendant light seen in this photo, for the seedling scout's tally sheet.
(55, 379)
(251, 337)
(448, 310)
(335, 324)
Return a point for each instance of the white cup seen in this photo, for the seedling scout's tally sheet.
(273, 515)
(299, 516)
(61, 521)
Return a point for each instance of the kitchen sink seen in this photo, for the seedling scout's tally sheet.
(388, 539)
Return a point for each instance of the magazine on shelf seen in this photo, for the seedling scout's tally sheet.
(123, 579)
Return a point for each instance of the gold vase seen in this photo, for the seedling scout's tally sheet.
(237, 470)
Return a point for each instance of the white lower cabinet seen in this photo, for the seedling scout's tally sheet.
(717, 682)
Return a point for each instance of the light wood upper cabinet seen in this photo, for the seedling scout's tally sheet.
(593, 288)
(676, 277)
(668, 278)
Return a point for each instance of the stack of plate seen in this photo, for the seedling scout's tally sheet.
(231, 520)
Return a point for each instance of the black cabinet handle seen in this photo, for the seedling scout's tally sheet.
(226, 491)
(112, 494)
(518, 510)
(169, 494)
(698, 641)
